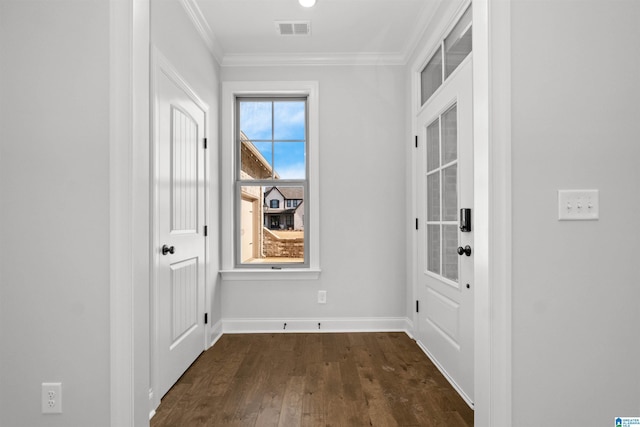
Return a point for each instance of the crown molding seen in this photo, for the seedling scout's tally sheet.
(305, 59)
(203, 28)
(425, 19)
(325, 59)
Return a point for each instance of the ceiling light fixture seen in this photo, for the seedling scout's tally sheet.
(307, 3)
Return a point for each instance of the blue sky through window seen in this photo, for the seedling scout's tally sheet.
(277, 129)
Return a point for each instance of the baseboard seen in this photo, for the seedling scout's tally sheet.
(444, 373)
(215, 333)
(292, 325)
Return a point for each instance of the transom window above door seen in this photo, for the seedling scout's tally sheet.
(452, 50)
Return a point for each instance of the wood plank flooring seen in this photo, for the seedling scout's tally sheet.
(350, 379)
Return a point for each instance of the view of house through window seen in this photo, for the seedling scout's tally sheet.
(271, 181)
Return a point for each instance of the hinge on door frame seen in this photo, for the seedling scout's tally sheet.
(417, 306)
(206, 230)
(205, 143)
(416, 141)
(206, 318)
(416, 223)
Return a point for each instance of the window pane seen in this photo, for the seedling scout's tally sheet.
(269, 230)
(457, 45)
(450, 193)
(255, 119)
(450, 135)
(431, 76)
(433, 197)
(450, 254)
(433, 146)
(433, 248)
(289, 120)
(250, 227)
(255, 160)
(289, 160)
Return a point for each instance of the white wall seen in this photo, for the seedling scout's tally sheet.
(174, 35)
(576, 285)
(54, 218)
(362, 199)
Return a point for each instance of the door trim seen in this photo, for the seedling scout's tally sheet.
(129, 211)
(493, 242)
(161, 65)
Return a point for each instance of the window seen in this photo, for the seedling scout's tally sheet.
(450, 53)
(264, 158)
(271, 142)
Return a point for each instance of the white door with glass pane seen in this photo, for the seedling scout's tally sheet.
(445, 185)
(180, 122)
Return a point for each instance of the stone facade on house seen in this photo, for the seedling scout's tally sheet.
(278, 247)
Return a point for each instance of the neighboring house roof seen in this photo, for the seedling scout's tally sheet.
(291, 193)
(288, 193)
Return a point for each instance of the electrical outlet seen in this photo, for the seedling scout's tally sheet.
(51, 398)
(322, 297)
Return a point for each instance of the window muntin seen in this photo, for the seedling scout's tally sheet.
(273, 166)
(455, 47)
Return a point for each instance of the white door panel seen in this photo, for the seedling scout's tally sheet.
(181, 203)
(445, 185)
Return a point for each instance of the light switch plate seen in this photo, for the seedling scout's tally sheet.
(578, 205)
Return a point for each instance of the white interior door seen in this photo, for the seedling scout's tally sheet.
(180, 239)
(445, 185)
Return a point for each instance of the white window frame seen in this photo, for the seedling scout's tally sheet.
(230, 91)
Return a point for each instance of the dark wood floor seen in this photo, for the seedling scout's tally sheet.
(351, 379)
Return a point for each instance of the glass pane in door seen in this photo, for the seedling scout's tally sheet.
(450, 193)
(449, 252)
(433, 248)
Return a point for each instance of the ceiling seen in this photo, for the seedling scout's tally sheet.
(342, 31)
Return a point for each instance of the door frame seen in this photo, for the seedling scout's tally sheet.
(129, 212)
(160, 64)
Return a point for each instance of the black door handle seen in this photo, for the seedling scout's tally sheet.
(168, 250)
(464, 251)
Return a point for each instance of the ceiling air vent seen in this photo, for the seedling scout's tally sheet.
(293, 28)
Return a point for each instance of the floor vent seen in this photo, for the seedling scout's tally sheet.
(293, 28)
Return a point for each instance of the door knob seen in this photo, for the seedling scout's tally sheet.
(168, 250)
(464, 251)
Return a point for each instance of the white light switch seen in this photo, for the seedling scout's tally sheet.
(578, 205)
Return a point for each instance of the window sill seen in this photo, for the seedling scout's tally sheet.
(260, 274)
